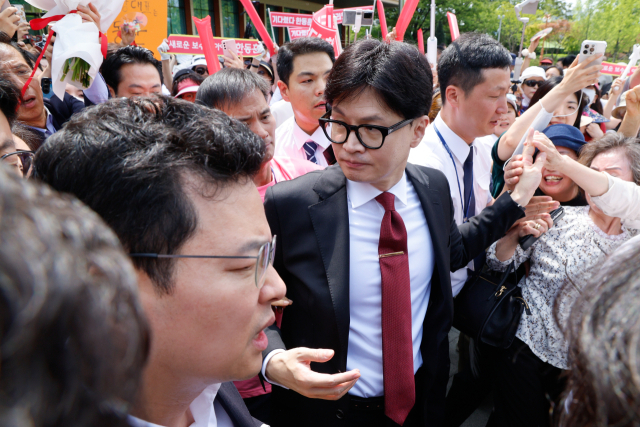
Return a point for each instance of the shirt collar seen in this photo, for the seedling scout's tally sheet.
(360, 193)
(457, 145)
(201, 409)
(300, 136)
(49, 128)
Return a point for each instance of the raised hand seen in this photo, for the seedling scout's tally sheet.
(9, 21)
(292, 369)
(532, 172)
(579, 76)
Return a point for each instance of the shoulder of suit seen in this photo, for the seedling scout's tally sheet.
(299, 188)
(435, 177)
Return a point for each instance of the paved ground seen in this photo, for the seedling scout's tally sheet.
(481, 415)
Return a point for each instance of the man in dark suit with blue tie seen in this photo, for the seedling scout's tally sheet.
(365, 248)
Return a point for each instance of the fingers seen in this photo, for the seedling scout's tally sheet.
(529, 150)
(540, 208)
(284, 302)
(8, 12)
(332, 393)
(318, 381)
(314, 354)
(540, 161)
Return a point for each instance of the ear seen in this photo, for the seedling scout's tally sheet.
(111, 91)
(419, 127)
(454, 95)
(284, 90)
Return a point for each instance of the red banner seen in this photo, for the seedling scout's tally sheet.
(190, 45)
(614, 69)
(326, 30)
(453, 26)
(282, 19)
(298, 32)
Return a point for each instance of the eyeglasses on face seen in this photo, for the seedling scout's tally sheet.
(21, 161)
(370, 136)
(532, 83)
(265, 258)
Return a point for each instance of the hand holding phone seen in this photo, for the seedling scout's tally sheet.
(229, 45)
(527, 241)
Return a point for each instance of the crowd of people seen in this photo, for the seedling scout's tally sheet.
(282, 242)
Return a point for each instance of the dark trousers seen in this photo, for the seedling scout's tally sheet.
(471, 384)
(526, 389)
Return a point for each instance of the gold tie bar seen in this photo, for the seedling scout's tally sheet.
(391, 254)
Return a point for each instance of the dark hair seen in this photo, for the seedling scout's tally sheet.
(604, 339)
(31, 137)
(396, 72)
(9, 98)
(596, 105)
(230, 86)
(124, 56)
(187, 75)
(73, 337)
(568, 60)
(302, 46)
(462, 62)
(129, 160)
(549, 84)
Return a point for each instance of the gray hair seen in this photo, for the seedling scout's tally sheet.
(230, 86)
(630, 146)
(73, 337)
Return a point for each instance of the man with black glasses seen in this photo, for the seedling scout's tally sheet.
(365, 248)
(194, 226)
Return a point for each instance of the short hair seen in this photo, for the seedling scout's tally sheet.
(462, 62)
(302, 46)
(27, 56)
(630, 146)
(128, 160)
(230, 86)
(187, 75)
(568, 60)
(396, 72)
(125, 56)
(9, 98)
(73, 337)
(603, 334)
(549, 84)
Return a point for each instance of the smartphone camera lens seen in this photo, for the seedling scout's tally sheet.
(591, 50)
(586, 46)
(585, 52)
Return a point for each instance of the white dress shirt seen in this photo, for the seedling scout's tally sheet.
(365, 293)
(205, 412)
(431, 153)
(290, 139)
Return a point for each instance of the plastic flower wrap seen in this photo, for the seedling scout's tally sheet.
(77, 53)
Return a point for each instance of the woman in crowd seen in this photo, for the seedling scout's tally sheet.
(558, 101)
(186, 84)
(531, 369)
(603, 385)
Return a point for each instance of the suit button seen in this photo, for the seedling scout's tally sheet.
(340, 414)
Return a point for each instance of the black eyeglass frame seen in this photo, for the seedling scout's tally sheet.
(200, 69)
(384, 130)
(269, 246)
(21, 153)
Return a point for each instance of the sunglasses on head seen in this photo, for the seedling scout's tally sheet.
(532, 83)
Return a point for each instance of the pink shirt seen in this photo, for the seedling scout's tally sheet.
(282, 169)
(285, 169)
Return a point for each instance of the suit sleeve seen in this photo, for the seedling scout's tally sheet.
(470, 239)
(273, 332)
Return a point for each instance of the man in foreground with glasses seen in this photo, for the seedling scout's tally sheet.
(194, 225)
(365, 249)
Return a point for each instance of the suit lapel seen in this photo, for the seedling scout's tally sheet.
(230, 399)
(430, 200)
(330, 219)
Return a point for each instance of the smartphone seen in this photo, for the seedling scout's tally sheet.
(590, 48)
(5, 5)
(527, 241)
(229, 45)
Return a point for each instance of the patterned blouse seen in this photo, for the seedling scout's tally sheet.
(560, 263)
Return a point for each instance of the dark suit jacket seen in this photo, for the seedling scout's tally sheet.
(309, 215)
(230, 399)
(63, 109)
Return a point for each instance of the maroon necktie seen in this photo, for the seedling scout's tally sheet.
(397, 343)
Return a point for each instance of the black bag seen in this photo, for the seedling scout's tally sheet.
(488, 309)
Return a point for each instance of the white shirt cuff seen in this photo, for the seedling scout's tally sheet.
(265, 362)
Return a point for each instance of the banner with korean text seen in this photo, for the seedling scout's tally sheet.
(284, 19)
(191, 45)
(297, 32)
(615, 69)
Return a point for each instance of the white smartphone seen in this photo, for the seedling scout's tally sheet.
(5, 5)
(590, 48)
(20, 13)
(229, 45)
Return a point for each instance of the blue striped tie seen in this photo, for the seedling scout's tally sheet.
(310, 150)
